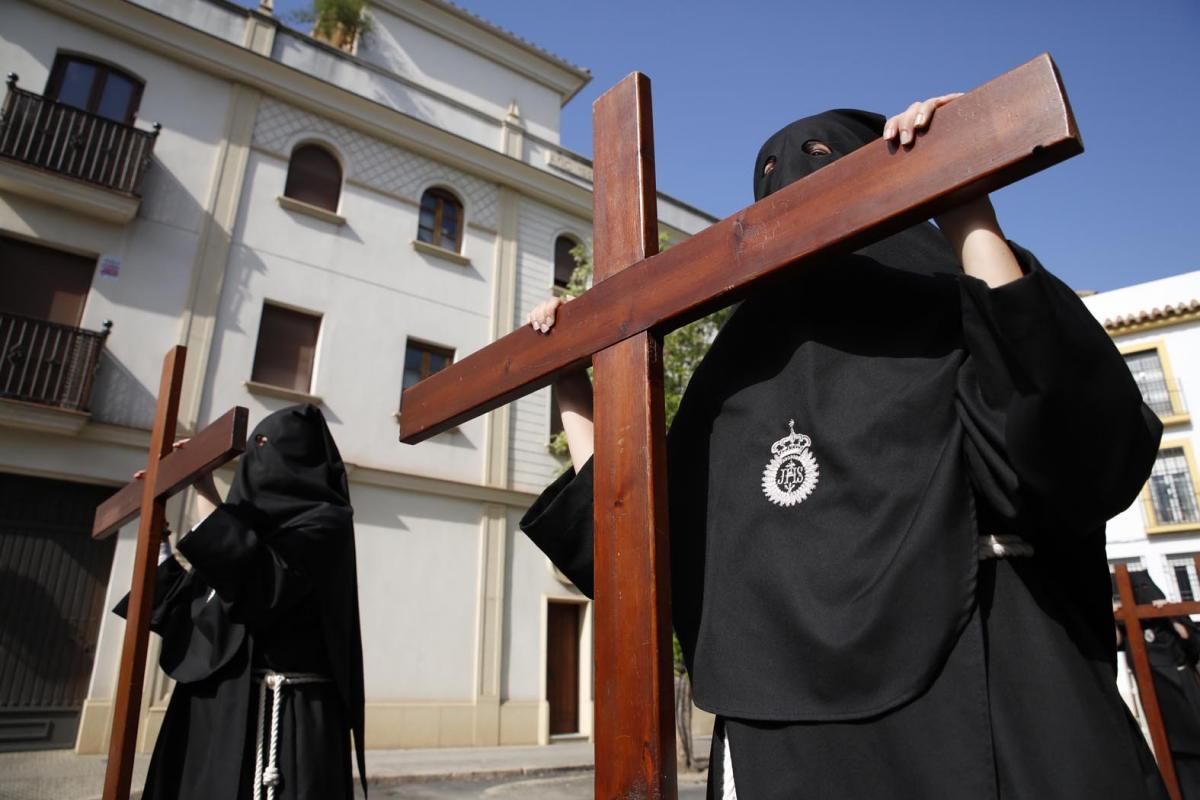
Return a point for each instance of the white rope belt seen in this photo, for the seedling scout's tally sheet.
(267, 777)
(1003, 546)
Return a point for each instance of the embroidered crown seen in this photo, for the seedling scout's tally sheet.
(792, 443)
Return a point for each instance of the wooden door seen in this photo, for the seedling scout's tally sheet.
(562, 667)
(53, 579)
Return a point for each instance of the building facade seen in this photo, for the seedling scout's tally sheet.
(315, 225)
(1156, 326)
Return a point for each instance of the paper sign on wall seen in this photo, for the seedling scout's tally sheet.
(110, 267)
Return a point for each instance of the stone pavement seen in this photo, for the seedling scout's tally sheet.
(62, 775)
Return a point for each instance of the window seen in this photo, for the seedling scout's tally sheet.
(96, 87)
(42, 283)
(564, 262)
(422, 360)
(441, 220)
(1183, 569)
(287, 348)
(314, 177)
(1171, 488)
(1152, 372)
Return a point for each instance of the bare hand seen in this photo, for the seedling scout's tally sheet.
(541, 319)
(1159, 603)
(916, 117)
(179, 445)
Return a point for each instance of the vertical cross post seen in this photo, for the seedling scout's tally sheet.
(635, 736)
(128, 700)
(1136, 646)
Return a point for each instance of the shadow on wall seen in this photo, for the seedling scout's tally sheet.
(118, 397)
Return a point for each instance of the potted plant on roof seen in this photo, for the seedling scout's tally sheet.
(341, 23)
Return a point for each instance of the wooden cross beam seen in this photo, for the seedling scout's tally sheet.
(167, 472)
(1132, 615)
(1001, 132)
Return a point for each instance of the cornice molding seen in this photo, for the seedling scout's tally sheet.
(443, 487)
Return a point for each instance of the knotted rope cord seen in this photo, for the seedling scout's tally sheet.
(268, 776)
(1003, 545)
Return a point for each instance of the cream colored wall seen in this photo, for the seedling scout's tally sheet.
(442, 666)
(421, 56)
(156, 249)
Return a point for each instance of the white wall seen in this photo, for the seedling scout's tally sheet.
(418, 569)
(415, 53)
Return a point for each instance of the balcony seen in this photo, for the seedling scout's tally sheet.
(81, 161)
(48, 369)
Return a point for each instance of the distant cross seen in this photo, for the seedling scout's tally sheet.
(168, 471)
(1015, 125)
(1132, 615)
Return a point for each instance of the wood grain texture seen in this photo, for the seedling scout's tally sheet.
(1136, 647)
(220, 442)
(634, 717)
(1007, 129)
(128, 700)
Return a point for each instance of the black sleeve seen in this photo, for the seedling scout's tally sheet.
(170, 596)
(560, 523)
(1057, 433)
(260, 577)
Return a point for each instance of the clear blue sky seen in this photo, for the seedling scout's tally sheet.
(726, 75)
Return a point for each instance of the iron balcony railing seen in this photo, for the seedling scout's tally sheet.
(74, 143)
(1163, 396)
(47, 363)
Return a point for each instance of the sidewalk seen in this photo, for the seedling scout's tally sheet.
(62, 775)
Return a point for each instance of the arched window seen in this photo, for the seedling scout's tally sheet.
(441, 222)
(314, 177)
(94, 86)
(564, 262)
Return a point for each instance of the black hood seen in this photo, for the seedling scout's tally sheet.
(291, 467)
(844, 130)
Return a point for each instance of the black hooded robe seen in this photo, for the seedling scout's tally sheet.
(1173, 661)
(272, 587)
(852, 433)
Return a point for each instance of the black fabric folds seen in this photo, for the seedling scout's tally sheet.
(273, 585)
(836, 457)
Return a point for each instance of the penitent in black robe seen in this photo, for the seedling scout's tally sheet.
(1173, 661)
(837, 456)
(272, 586)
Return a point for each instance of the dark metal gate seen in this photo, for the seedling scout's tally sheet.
(52, 583)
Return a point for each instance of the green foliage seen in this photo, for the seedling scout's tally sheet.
(339, 22)
(682, 348)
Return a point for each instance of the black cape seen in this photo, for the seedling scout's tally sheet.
(273, 586)
(846, 628)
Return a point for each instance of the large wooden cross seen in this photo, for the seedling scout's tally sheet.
(168, 471)
(1133, 615)
(1001, 132)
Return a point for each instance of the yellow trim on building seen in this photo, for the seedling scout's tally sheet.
(1153, 527)
(1179, 415)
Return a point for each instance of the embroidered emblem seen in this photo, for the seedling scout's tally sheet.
(792, 473)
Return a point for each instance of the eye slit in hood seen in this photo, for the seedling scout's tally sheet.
(842, 131)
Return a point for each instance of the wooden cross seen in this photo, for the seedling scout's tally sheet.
(168, 471)
(1009, 128)
(1132, 615)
